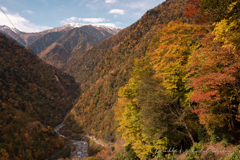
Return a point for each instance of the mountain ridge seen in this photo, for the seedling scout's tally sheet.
(61, 50)
(26, 39)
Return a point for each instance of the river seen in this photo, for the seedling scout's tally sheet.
(81, 147)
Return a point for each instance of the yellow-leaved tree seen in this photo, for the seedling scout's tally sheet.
(127, 114)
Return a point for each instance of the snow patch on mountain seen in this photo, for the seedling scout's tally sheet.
(5, 28)
(103, 26)
(75, 25)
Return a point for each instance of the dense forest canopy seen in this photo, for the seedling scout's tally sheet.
(183, 87)
(105, 68)
(186, 89)
(170, 80)
(32, 101)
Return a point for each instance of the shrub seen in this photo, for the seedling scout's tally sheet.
(235, 155)
(130, 154)
(219, 134)
(210, 155)
(202, 134)
(224, 143)
(162, 156)
(194, 152)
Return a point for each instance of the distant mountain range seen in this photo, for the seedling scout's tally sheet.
(27, 38)
(60, 46)
(61, 50)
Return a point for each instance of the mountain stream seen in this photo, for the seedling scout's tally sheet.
(81, 147)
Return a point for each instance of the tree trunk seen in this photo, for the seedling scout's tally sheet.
(231, 124)
(189, 134)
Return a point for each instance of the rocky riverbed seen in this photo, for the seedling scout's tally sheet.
(81, 147)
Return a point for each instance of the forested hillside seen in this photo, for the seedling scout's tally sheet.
(45, 41)
(10, 33)
(34, 96)
(70, 46)
(105, 68)
(169, 82)
(186, 89)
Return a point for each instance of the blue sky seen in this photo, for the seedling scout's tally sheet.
(39, 15)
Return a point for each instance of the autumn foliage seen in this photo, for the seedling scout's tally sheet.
(106, 67)
(162, 82)
(189, 83)
(32, 102)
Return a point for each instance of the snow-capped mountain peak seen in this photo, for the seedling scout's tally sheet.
(75, 25)
(102, 26)
(4, 28)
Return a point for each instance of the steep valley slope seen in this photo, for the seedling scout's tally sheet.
(106, 67)
(70, 46)
(34, 97)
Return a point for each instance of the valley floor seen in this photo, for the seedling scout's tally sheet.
(81, 147)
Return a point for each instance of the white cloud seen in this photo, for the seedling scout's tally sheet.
(4, 9)
(84, 20)
(135, 5)
(89, 21)
(20, 22)
(110, 1)
(117, 11)
(93, 20)
(138, 14)
(28, 11)
(105, 24)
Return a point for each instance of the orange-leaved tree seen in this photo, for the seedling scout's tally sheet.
(216, 80)
(216, 84)
(170, 60)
